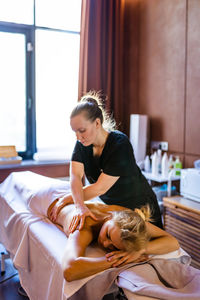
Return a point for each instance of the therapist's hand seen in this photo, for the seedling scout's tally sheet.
(125, 257)
(63, 201)
(78, 219)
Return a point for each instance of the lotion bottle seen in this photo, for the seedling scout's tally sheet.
(165, 165)
(155, 164)
(147, 164)
(177, 166)
(171, 162)
(159, 155)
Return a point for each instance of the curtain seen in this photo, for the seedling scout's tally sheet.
(101, 53)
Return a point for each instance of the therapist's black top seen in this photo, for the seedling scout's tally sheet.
(131, 190)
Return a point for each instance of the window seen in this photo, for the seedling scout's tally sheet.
(39, 58)
(13, 74)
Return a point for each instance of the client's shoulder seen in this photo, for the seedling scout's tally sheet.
(103, 209)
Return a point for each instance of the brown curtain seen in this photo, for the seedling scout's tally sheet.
(101, 53)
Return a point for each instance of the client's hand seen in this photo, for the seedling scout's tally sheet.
(65, 200)
(125, 257)
(79, 218)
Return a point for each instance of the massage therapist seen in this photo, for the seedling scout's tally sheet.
(105, 156)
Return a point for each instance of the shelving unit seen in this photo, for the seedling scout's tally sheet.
(159, 178)
(182, 220)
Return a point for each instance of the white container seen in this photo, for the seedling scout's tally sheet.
(171, 162)
(139, 128)
(159, 154)
(147, 164)
(165, 165)
(155, 164)
(190, 184)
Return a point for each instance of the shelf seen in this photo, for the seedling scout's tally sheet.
(159, 178)
(51, 168)
(32, 163)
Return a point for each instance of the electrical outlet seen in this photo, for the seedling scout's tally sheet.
(164, 146)
(156, 145)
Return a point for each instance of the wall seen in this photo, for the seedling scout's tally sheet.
(54, 169)
(169, 73)
(192, 111)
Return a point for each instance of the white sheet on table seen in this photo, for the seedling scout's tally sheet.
(38, 232)
(161, 279)
(21, 230)
(46, 245)
(31, 239)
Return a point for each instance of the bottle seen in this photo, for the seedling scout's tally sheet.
(177, 166)
(147, 165)
(159, 155)
(164, 165)
(155, 164)
(171, 162)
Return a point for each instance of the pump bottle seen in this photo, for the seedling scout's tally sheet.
(165, 165)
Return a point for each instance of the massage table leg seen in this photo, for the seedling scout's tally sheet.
(4, 256)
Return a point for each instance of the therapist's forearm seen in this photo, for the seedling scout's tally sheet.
(81, 194)
(91, 191)
(77, 191)
(88, 193)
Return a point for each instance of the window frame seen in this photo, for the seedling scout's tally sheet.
(29, 33)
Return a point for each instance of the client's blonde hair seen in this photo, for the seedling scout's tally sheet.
(133, 227)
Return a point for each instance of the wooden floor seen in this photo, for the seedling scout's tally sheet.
(9, 290)
(9, 282)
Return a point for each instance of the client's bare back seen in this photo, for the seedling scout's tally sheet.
(101, 211)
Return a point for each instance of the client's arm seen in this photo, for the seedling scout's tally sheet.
(161, 242)
(75, 264)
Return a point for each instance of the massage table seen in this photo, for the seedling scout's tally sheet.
(36, 246)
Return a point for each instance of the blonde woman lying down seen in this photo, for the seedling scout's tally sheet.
(126, 235)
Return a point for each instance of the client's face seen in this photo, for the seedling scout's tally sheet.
(109, 236)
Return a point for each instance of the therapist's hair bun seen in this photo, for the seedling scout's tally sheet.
(92, 98)
(92, 105)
